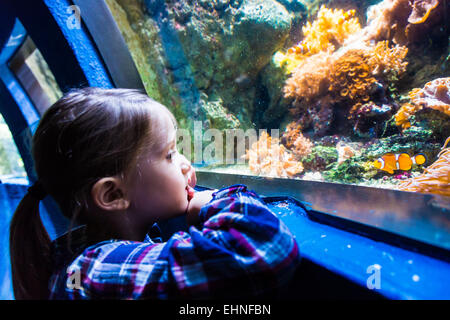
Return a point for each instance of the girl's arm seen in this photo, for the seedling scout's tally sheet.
(241, 250)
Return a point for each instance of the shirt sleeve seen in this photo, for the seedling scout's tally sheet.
(241, 250)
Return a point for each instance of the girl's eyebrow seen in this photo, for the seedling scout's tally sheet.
(170, 143)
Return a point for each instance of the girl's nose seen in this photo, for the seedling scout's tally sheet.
(185, 165)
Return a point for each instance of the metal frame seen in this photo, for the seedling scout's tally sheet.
(110, 43)
(423, 224)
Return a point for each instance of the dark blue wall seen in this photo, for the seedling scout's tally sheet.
(74, 61)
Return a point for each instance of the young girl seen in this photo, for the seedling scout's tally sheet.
(108, 157)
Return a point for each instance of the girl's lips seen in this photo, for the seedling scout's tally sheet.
(190, 192)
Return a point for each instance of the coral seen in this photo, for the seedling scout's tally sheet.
(435, 178)
(403, 114)
(327, 33)
(269, 157)
(421, 10)
(320, 158)
(356, 70)
(351, 76)
(370, 118)
(292, 132)
(329, 30)
(435, 95)
(350, 171)
(346, 150)
(413, 141)
(388, 62)
(403, 21)
(294, 140)
(310, 79)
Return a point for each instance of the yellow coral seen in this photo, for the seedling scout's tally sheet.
(388, 60)
(403, 114)
(351, 75)
(329, 31)
(435, 95)
(347, 74)
(270, 158)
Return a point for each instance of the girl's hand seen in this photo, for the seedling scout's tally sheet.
(199, 199)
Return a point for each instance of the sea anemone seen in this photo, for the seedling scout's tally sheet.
(435, 178)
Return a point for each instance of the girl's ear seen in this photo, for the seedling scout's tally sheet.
(109, 194)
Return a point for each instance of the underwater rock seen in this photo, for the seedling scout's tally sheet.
(272, 80)
(293, 5)
(403, 21)
(437, 121)
(223, 52)
(317, 118)
(295, 141)
(429, 108)
(352, 170)
(320, 158)
(413, 140)
(370, 119)
(202, 58)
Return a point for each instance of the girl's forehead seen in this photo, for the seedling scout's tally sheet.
(164, 131)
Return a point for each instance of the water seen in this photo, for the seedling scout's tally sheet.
(340, 82)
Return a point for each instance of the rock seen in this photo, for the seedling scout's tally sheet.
(293, 5)
(434, 120)
(320, 158)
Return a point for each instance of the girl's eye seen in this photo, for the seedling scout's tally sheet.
(170, 154)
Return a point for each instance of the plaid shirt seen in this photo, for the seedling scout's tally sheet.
(241, 250)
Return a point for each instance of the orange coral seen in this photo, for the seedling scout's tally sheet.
(435, 95)
(310, 79)
(388, 60)
(268, 157)
(403, 114)
(435, 178)
(347, 74)
(351, 75)
(294, 140)
(328, 32)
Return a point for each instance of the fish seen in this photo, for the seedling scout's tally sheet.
(398, 161)
(300, 48)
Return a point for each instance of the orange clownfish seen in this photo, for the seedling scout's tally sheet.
(390, 161)
(300, 48)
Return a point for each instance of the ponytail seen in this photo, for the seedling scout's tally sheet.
(30, 248)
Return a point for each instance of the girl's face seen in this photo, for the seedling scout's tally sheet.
(160, 187)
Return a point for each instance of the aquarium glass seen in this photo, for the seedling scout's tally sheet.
(33, 72)
(348, 92)
(11, 165)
